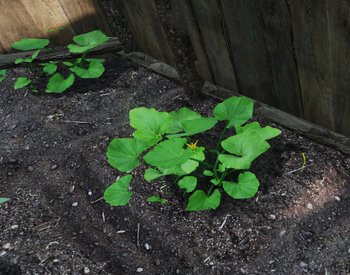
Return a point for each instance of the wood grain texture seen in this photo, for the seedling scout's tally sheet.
(245, 31)
(278, 39)
(148, 32)
(210, 27)
(311, 36)
(203, 65)
(49, 15)
(85, 16)
(16, 23)
(339, 24)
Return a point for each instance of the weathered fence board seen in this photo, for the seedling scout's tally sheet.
(31, 19)
(203, 65)
(210, 27)
(148, 33)
(278, 37)
(245, 31)
(339, 24)
(311, 36)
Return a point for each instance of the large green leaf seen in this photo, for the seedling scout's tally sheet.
(246, 146)
(178, 117)
(152, 174)
(150, 124)
(169, 153)
(265, 133)
(191, 165)
(189, 183)
(195, 126)
(199, 201)
(118, 194)
(95, 70)
(235, 109)
(28, 44)
(246, 187)
(88, 41)
(57, 83)
(122, 153)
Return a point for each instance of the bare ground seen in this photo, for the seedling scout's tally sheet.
(53, 166)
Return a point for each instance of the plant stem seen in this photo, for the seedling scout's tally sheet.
(82, 58)
(210, 190)
(223, 132)
(211, 166)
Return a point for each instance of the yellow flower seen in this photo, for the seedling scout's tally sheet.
(192, 145)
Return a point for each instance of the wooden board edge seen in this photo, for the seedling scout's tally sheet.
(295, 124)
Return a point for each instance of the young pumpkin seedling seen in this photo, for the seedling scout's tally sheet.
(179, 156)
(57, 83)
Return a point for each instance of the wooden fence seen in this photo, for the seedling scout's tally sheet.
(32, 18)
(289, 55)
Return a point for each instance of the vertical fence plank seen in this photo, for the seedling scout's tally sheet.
(245, 31)
(311, 36)
(278, 38)
(210, 26)
(339, 24)
(24, 26)
(203, 65)
(148, 33)
(85, 16)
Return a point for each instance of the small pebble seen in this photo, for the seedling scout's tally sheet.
(147, 246)
(303, 264)
(53, 167)
(30, 168)
(283, 232)
(15, 226)
(56, 260)
(309, 205)
(6, 246)
(74, 204)
(271, 262)
(9, 174)
(140, 269)
(157, 262)
(272, 217)
(337, 198)
(86, 270)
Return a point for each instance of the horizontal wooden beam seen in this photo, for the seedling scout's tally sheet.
(7, 61)
(291, 122)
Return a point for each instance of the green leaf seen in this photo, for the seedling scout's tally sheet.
(178, 117)
(57, 83)
(265, 133)
(28, 44)
(152, 174)
(118, 194)
(246, 187)
(4, 200)
(208, 173)
(156, 198)
(189, 183)
(68, 63)
(49, 68)
(189, 166)
(195, 126)
(198, 153)
(221, 168)
(246, 146)
(3, 73)
(21, 82)
(99, 60)
(169, 153)
(88, 41)
(215, 181)
(35, 54)
(122, 153)
(199, 201)
(150, 124)
(235, 109)
(95, 70)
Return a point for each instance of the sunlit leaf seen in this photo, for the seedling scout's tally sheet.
(118, 194)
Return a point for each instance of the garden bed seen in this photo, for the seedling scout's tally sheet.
(53, 166)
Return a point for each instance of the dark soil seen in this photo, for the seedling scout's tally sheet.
(56, 170)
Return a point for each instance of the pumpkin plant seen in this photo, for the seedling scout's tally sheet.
(57, 83)
(174, 153)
